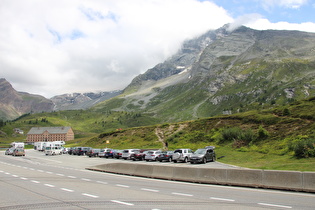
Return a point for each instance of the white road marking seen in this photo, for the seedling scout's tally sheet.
(37, 182)
(275, 205)
(182, 194)
(68, 190)
(120, 185)
(7, 173)
(40, 170)
(23, 178)
(222, 199)
(88, 180)
(15, 175)
(101, 182)
(124, 203)
(60, 174)
(48, 172)
(150, 190)
(89, 195)
(49, 185)
(73, 177)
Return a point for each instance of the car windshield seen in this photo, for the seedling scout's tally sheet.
(179, 151)
(200, 151)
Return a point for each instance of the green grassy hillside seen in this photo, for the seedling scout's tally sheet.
(281, 138)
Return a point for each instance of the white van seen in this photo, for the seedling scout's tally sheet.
(53, 150)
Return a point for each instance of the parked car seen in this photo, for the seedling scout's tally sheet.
(18, 152)
(71, 150)
(103, 152)
(139, 155)
(117, 154)
(109, 153)
(165, 155)
(65, 150)
(127, 153)
(9, 151)
(93, 152)
(182, 155)
(81, 150)
(202, 155)
(152, 155)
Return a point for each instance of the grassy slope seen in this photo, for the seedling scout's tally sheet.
(284, 125)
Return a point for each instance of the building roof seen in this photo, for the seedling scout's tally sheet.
(51, 130)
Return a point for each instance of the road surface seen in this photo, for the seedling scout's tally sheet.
(37, 181)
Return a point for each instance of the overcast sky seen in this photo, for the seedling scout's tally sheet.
(51, 47)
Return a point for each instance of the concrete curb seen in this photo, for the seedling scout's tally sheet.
(284, 180)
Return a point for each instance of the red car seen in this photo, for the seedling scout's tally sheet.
(139, 155)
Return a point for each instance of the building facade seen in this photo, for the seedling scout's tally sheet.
(37, 134)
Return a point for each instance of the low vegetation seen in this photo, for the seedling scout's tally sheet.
(281, 138)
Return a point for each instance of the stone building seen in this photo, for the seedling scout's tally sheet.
(50, 134)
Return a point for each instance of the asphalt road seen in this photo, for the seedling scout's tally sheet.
(37, 181)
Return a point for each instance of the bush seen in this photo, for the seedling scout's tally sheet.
(262, 133)
(239, 137)
(303, 147)
(230, 134)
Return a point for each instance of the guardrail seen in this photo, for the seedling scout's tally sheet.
(271, 179)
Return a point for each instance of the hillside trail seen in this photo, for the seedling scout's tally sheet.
(164, 133)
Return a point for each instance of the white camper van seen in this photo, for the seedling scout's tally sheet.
(17, 144)
(53, 150)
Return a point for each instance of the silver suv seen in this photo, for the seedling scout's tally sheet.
(182, 155)
(127, 153)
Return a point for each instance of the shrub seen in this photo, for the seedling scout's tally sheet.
(303, 147)
(238, 136)
(262, 133)
(230, 134)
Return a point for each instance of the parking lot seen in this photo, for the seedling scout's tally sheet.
(83, 161)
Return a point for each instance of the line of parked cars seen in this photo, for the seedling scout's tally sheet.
(202, 155)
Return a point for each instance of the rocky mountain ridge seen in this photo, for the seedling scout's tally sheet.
(13, 104)
(224, 72)
(76, 101)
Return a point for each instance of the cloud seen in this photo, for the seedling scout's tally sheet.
(53, 47)
(244, 20)
(264, 24)
(292, 4)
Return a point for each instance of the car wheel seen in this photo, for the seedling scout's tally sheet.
(185, 160)
(170, 160)
(204, 160)
(175, 161)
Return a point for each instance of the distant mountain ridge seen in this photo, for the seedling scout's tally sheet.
(13, 104)
(224, 72)
(81, 100)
